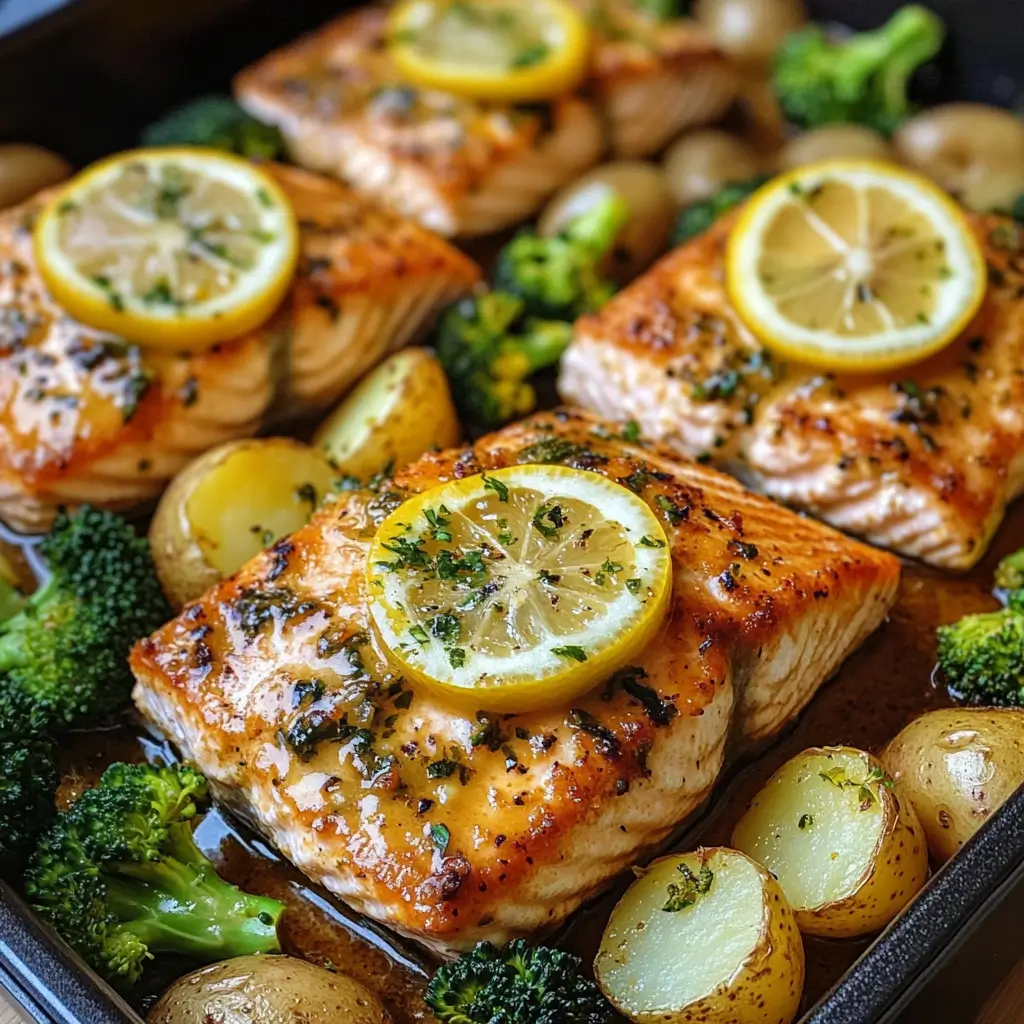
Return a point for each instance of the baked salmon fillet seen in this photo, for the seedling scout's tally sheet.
(88, 417)
(452, 827)
(923, 461)
(653, 78)
(457, 166)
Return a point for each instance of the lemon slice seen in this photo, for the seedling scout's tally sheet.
(180, 248)
(519, 589)
(854, 265)
(512, 50)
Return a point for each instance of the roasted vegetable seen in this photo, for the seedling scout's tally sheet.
(845, 845)
(560, 277)
(862, 79)
(489, 351)
(120, 877)
(267, 990)
(958, 766)
(697, 218)
(982, 657)
(28, 777)
(1010, 578)
(218, 122)
(67, 647)
(706, 936)
(516, 985)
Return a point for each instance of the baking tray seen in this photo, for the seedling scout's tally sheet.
(85, 79)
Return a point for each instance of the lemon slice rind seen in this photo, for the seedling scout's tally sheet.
(113, 304)
(958, 297)
(537, 676)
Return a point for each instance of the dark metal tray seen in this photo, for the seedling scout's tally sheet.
(85, 79)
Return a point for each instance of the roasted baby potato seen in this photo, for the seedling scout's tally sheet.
(228, 505)
(25, 169)
(974, 151)
(845, 845)
(699, 164)
(750, 31)
(706, 936)
(833, 142)
(957, 767)
(267, 990)
(643, 186)
(396, 413)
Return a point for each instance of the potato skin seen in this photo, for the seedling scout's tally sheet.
(957, 766)
(397, 412)
(181, 564)
(765, 989)
(267, 990)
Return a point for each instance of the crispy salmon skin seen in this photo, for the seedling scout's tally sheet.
(923, 461)
(453, 827)
(90, 417)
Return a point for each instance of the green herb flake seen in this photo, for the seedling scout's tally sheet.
(571, 652)
(440, 837)
(686, 893)
(456, 657)
(651, 542)
(493, 484)
(633, 585)
(805, 822)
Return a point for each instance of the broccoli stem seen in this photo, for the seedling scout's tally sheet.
(12, 601)
(13, 627)
(597, 228)
(178, 904)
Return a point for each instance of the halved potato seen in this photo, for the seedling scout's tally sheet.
(705, 936)
(846, 848)
(395, 414)
(958, 766)
(228, 505)
(267, 990)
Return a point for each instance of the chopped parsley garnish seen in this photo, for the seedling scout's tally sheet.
(440, 837)
(686, 893)
(419, 634)
(445, 627)
(548, 520)
(630, 431)
(493, 484)
(633, 585)
(530, 56)
(805, 822)
(651, 542)
(456, 657)
(443, 769)
(572, 652)
(674, 513)
(837, 776)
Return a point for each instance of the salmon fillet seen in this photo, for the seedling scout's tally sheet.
(453, 828)
(923, 461)
(88, 417)
(457, 166)
(652, 79)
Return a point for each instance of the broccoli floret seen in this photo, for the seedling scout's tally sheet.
(1010, 572)
(219, 122)
(67, 647)
(663, 10)
(862, 79)
(560, 277)
(695, 219)
(982, 657)
(28, 777)
(120, 877)
(489, 350)
(516, 985)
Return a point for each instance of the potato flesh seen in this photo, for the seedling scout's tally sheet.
(257, 494)
(395, 414)
(827, 858)
(659, 961)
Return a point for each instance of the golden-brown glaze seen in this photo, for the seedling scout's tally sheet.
(88, 417)
(454, 828)
(457, 166)
(923, 460)
(653, 78)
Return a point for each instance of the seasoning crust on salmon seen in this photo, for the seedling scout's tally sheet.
(455, 165)
(454, 827)
(924, 460)
(653, 77)
(89, 417)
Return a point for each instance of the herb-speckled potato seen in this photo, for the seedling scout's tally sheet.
(267, 990)
(844, 843)
(957, 766)
(703, 937)
(228, 505)
(395, 414)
